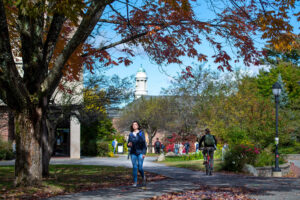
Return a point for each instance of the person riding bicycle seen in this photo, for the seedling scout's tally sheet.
(210, 142)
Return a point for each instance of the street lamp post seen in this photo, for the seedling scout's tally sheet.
(276, 91)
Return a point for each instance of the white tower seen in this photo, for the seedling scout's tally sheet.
(140, 83)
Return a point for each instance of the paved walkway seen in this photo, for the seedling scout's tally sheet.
(182, 179)
(296, 162)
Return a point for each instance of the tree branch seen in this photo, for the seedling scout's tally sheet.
(145, 23)
(10, 79)
(133, 37)
(124, 41)
(31, 32)
(85, 28)
(52, 38)
(119, 14)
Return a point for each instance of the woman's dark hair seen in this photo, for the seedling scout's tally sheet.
(131, 127)
(207, 130)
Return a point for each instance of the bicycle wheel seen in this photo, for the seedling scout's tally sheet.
(210, 168)
(207, 165)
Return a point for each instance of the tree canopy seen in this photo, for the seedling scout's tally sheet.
(167, 30)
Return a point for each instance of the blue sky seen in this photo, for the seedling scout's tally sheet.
(159, 76)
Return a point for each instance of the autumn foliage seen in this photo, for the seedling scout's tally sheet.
(168, 30)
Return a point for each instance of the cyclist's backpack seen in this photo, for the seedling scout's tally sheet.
(209, 140)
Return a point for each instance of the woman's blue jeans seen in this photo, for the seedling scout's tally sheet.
(137, 164)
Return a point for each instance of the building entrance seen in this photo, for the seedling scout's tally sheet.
(62, 143)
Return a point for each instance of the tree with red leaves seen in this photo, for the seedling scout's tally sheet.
(167, 30)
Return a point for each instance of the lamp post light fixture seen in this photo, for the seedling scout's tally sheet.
(276, 91)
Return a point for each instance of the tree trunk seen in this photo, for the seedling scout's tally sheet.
(28, 165)
(48, 139)
(150, 137)
(11, 126)
(149, 143)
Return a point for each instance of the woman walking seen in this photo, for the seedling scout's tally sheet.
(180, 148)
(138, 148)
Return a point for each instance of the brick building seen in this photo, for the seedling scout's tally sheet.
(6, 123)
(67, 132)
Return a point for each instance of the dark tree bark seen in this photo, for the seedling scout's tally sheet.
(28, 168)
(28, 95)
(11, 125)
(48, 140)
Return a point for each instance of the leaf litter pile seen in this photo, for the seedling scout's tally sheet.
(209, 193)
(68, 180)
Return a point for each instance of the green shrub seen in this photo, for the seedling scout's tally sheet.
(238, 156)
(90, 149)
(6, 151)
(236, 136)
(267, 158)
(218, 153)
(99, 130)
(110, 147)
(103, 148)
(291, 149)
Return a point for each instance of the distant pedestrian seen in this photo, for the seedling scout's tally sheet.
(197, 146)
(14, 147)
(224, 149)
(157, 146)
(180, 148)
(187, 147)
(162, 147)
(176, 148)
(138, 149)
(114, 144)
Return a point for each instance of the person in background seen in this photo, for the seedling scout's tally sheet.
(138, 149)
(114, 144)
(197, 146)
(180, 148)
(224, 149)
(187, 147)
(162, 147)
(14, 147)
(157, 146)
(176, 148)
(210, 142)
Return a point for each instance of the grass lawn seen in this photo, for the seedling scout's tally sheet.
(152, 154)
(147, 155)
(66, 179)
(196, 165)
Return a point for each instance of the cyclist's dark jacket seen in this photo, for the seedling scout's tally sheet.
(203, 139)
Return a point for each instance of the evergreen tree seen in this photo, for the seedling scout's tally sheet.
(283, 98)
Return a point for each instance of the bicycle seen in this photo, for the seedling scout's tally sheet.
(209, 162)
